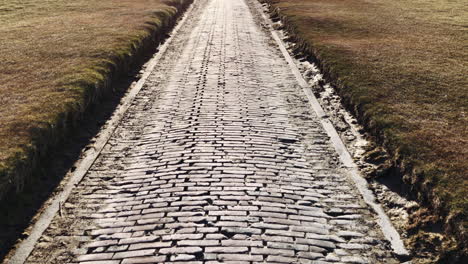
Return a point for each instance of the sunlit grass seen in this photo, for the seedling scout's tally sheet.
(54, 52)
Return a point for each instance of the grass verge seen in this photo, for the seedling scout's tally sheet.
(58, 59)
(400, 67)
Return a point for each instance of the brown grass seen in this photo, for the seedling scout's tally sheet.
(53, 53)
(402, 65)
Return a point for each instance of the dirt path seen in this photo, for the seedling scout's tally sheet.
(219, 159)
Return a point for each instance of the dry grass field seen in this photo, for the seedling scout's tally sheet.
(53, 53)
(402, 66)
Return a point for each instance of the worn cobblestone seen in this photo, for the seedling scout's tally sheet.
(218, 160)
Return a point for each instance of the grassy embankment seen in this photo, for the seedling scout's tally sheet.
(401, 66)
(57, 58)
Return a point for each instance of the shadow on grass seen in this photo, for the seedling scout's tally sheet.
(17, 210)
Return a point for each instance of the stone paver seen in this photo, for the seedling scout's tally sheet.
(219, 160)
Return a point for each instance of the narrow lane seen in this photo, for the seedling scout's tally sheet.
(219, 159)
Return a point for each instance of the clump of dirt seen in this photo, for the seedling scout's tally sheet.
(426, 237)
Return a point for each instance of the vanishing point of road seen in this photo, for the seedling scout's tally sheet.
(219, 159)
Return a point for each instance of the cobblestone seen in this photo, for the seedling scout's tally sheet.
(219, 160)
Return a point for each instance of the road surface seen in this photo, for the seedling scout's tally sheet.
(219, 159)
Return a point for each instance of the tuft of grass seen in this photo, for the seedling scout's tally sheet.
(401, 66)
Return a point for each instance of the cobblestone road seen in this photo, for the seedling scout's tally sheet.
(219, 159)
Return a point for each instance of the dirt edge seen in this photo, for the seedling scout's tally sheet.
(453, 248)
